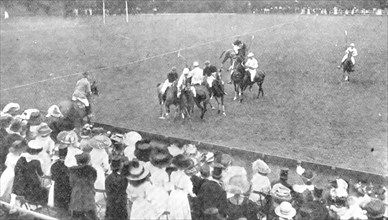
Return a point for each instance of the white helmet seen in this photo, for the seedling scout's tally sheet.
(195, 64)
(250, 54)
(352, 45)
(186, 71)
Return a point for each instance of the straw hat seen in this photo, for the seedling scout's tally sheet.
(44, 129)
(260, 167)
(285, 210)
(281, 192)
(35, 144)
(100, 142)
(137, 171)
(217, 171)
(175, 150)
(131, 138)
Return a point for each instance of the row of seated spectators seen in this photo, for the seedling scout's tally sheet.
(138, 178)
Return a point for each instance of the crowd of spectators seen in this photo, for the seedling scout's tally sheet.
(137, 178)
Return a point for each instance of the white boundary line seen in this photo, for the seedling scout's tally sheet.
(151, 57)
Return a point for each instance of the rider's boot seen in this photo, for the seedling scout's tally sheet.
(230, 80)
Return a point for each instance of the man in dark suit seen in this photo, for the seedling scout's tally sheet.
(212, 194)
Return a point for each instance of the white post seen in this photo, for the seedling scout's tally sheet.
(126, 10)
(103, 10)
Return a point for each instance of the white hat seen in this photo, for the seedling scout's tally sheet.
(250, 54)
(174, 150)
(195, 64)
(27, 113)
(11, 106)
(285, 210)
(35, 144)
(54, 111)
(352, 45)
(186, 71)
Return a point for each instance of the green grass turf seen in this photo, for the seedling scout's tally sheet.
(307, 113)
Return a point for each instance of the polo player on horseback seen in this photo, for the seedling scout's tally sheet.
(239, 48)
(353, 52)
(183, 81)
(82, 93)
(251, 66)
(211, 73)
(171, 77)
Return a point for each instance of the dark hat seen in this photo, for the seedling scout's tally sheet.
(318, 192)
(207, 62)
(16, 125)
(82, 159)
(160, 157)
(35, 118)
(143, 150)
(217, 171)
(62, 152)
(85, 74)
(5, 120)
(237, 42)
(284, 173)
(375, 209)
(115, 162)
(182, 162)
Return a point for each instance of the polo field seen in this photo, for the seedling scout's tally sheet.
(308, 112)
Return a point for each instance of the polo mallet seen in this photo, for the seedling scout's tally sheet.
(253, 37)
(346, 38)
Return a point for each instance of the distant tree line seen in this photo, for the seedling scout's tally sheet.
(66, 7)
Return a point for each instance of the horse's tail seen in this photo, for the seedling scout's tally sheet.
(222, 54)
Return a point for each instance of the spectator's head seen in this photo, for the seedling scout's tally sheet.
(15, 126)
(308, 176)
(181, 162)
(160, 157)
(35, 118)
(217, 171)
(115, 163)
(34, 147)
(260, 167)
(62, 152)
(173, 69)
(100, 142)
(54, 111)
(5, 120)
(236, 181)
(284, 174)
(11, 108)
(375, 209)
(18, 146)
(143, 150)
(82, 159)
(205, 170)
(44, 130)
(137, 173)
(285, 210)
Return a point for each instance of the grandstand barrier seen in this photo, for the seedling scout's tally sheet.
(324, 169)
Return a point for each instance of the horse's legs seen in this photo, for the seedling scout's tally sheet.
(204, 108)
(241, 95)
(222, 104)
(260, 84)
(162, 110)
(235, 91)
(218, 105)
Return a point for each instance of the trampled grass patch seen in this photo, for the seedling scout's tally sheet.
(307, 112)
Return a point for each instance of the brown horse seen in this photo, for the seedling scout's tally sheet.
(229, 55)
(202, 98)
(74, 112)
(347, 66)
(216, 90)
(170, 98)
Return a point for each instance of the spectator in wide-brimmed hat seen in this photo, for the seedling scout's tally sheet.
(15, 127)
(375, 209)
(54, 120)
(261, 186)
(82, 178)
(116, 185)
(212, 193)
(48, 145)
(71, 140)
(99, 159)
(7, 177)
(139, 191)
(5, 121)
(304, 192)
(33, 118)
(285, 211)
(60, 176)
(11, 108)
(28, 171)
(237, 185)
(315, 209)
(178, 204)
(160, 158)
(130, 140)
